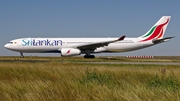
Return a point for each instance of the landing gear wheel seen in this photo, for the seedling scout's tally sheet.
(92, 56)
(89, 56)
(85, 56)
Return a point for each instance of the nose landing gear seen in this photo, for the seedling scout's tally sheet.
(22, 56)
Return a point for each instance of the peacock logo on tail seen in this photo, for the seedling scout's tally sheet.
(155, 32)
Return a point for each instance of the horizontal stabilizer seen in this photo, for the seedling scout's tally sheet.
(156, 41)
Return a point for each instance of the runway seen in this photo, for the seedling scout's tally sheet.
(137, 63)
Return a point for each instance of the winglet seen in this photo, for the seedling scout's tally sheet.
(121, 38)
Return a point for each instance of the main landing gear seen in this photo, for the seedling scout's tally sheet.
(89, 56)
(22, 56)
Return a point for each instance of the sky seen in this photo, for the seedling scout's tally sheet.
(88, 18)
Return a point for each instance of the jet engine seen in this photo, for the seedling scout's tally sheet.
(70, 52)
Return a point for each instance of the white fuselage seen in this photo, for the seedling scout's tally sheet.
(50, 45)
(77, 46)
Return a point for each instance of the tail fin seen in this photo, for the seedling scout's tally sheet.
(157, 31)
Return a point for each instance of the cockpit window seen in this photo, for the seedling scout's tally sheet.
(10, 42)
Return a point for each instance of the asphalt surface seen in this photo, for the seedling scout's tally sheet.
(147, 63)
(16, 60)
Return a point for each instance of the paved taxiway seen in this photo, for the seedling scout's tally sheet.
(147, 63)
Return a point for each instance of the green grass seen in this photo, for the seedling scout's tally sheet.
(57, 79)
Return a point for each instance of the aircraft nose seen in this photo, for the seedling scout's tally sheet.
(6, 46)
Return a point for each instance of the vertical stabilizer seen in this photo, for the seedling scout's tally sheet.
(157, 31)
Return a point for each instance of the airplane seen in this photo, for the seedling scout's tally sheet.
(88, 46)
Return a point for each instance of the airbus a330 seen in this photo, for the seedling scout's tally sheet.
(88, 46)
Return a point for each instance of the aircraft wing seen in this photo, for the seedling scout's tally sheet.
(156, 41)
(98, 44)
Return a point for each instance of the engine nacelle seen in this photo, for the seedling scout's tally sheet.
(70, 52)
